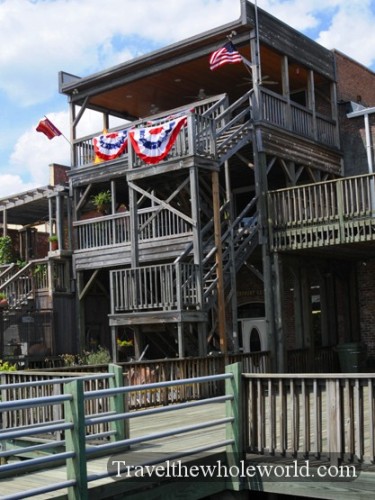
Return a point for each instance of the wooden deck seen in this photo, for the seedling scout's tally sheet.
(360, 488)
(285, 422)
(138, 454)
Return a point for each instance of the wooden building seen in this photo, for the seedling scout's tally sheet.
(255, 230)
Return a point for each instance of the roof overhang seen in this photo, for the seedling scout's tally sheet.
(173, 76)
(29, 207)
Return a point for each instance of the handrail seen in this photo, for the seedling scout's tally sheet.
(232, 107)
(76, 451)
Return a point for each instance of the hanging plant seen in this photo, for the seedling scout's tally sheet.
(122, 345)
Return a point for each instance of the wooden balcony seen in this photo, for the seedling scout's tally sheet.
(196, 138)
(153, 223)
(166, 287)
(288, 115)
(209, 121)
(323, 214)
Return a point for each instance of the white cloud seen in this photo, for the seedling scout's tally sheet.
(33, 152)
(79, 36)
(350, 23)
(352, 32)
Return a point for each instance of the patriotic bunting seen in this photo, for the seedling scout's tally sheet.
(152, 144)
(111, 146)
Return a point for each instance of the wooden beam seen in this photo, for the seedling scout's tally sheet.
(83, 198)
(162, 203)
(219, 263)
(88, 285)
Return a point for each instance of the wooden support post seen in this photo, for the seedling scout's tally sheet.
(334, 421)
(59, 222)
(138, 342)
(234, 430)
(5, 222)
(180, 336)
(261, 186)
(114, 343)
(202, 341)
(219, 264)
(233, 280)
(340, 210)
(75, 440)
(278, 294)
(80, 307)
(118, 403)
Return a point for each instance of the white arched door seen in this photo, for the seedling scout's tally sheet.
(254, 335)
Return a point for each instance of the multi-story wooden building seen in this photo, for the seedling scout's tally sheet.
(255, 230)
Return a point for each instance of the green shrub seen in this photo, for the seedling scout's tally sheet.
(5, 366)
(99, 357)
(6, 250)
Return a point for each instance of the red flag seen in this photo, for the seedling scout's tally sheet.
(48, 128)
(226, 55)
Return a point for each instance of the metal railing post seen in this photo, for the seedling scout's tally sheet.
(234, 429)
(118, 403)
(75, 440)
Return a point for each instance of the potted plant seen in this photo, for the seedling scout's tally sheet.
(3, 300)
(102, 201)
(54, 242)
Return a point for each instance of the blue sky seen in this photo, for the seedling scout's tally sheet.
(41, 37)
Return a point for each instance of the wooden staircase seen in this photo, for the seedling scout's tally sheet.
(158, 289)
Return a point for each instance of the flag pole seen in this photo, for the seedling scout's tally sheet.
(257, 41)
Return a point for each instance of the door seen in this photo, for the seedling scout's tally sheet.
(254, 335)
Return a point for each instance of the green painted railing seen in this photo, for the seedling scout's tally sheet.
(78, 447)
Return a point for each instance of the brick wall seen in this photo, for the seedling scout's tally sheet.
(355, 83)
(58, 174)
(366, 288)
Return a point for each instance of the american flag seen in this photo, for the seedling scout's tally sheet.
(226, 55)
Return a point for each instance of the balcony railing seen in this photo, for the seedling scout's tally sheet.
(324, 213)
(110, 230)
(277, 110)
(196, 138)
(163, 287)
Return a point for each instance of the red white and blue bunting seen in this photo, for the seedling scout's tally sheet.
(111, 146)
(152, 144)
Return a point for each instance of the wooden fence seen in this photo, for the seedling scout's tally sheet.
(135, 373)
(311, 415)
